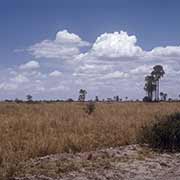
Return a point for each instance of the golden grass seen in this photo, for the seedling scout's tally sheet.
(31, 130)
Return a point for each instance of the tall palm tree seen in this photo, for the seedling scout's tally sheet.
(157, 73)
(150, 86)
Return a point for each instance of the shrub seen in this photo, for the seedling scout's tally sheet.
(147, 99)
(164, 134)
(18, 101)
(90, 108)
(70, 100)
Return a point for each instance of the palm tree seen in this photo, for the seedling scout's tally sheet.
(150, 86)
(157, 73)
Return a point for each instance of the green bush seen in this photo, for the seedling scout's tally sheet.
(164, 134)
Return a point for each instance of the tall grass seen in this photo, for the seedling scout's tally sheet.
(31, 130)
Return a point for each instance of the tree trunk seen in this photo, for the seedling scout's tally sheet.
(157, 90)
(149, 94)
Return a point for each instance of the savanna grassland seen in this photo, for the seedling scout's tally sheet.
(34, 130)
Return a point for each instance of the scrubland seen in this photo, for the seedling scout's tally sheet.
(35, 130)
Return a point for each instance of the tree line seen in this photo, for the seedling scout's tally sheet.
(151, 87)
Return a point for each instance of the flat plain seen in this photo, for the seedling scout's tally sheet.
(35, 130)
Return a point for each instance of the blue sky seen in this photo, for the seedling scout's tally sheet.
(34, 59)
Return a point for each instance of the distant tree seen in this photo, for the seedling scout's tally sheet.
(126, 98)
(170, 99)
(70, 100)
(147, 99)
(29, 98)
(82, 95)
(18, 100)
(109, 99)
(116, 98)
(96, 98)
(163, 96)
(149, 87)
(157, 73)
(8, 100)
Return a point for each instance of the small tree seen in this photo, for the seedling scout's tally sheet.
(163, 96)
(82, 95)
(147, 99)
(29, 98)
(96, 98)
(116, 98)
(18, 100)
(109, 100)
(70, 100)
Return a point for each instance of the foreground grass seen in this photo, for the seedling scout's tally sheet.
(32, 130)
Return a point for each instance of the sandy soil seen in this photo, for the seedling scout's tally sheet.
(131, 162)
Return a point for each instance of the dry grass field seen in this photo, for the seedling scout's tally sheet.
(32, 130)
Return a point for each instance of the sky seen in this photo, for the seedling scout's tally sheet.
(52, 48)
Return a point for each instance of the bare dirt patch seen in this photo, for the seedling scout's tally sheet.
(126, 162)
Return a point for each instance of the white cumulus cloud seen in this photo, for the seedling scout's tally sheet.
(20, 79)
(8, 86)
(165, 52)
(142, 69)
(66, 45)
(117, 44)
(65, 37)
(115, 75)
(55, 74)
(30, 65)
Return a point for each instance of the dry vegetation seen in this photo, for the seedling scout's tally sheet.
(31, 130)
